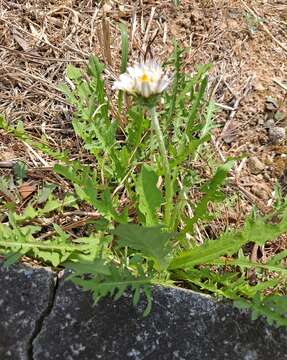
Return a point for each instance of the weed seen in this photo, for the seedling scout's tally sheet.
(140, 193)
(252, 22)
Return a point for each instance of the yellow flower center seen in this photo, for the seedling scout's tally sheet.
(144, 78)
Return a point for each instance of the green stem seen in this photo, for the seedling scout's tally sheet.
(167, 172)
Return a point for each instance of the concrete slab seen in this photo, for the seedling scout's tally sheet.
(25, 297)
(182, 325)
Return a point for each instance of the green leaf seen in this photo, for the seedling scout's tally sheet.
(124, 61)
(276, 259)
(273, 307)
(226, 244)
(106, 279)
(247, 264)
(51, 205)
(260, 232)
(229, 244)
(67, 171)
(96, 267)
(208, 125)
(73, 73)
(136, 126)
(211, 192)
(28, 213)
(12, 258)
(124, 156)
(42, 145)
(195, 106)
(96, 69)
(52, 257)
(16, 241)
(20, 170)
(150, 197)
(151, 241)
(68, 93)
(124, 48)
(62, 234)
(3, 123)
(5, 190)
(178, 76)
(45, 193)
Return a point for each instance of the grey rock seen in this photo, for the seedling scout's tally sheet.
(25, 296)
(270, 123)
(182, 325)
(271, 104)
(255, 165)
(277, 135)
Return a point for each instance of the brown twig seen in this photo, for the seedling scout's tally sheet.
(73, 225)
(280, 84)
(106, 39)
(7, 164)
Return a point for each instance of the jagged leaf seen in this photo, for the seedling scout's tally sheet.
(73, 73)
(229, 243)
(151, 241)
(97, 267)
(273, 307)
(150, 197)
(211, 192)
(260, 232)
(247, 264)
(107, 279)
(20, 170)
(226, 244)
(19, 240)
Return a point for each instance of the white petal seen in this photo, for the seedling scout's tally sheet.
(124, 83)
(144, 79)
(163, 84)
(145, 90)
(136, 71)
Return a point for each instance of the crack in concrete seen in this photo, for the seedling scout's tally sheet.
(40, 321)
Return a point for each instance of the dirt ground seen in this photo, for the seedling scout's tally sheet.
(245, 40)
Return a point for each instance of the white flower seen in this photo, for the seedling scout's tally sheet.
(144, 79)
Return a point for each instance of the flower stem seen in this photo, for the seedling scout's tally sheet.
(167, 172)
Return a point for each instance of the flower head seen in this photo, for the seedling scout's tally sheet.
(144, 79)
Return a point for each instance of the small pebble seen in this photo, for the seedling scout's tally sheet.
(269, 124)
(261, 121)
(276, 135)
(260, 192)
(271, 104)
(255, 165)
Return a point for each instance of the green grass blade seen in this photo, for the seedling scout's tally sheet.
(124, 48)
(195, 106)
(124, 61)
